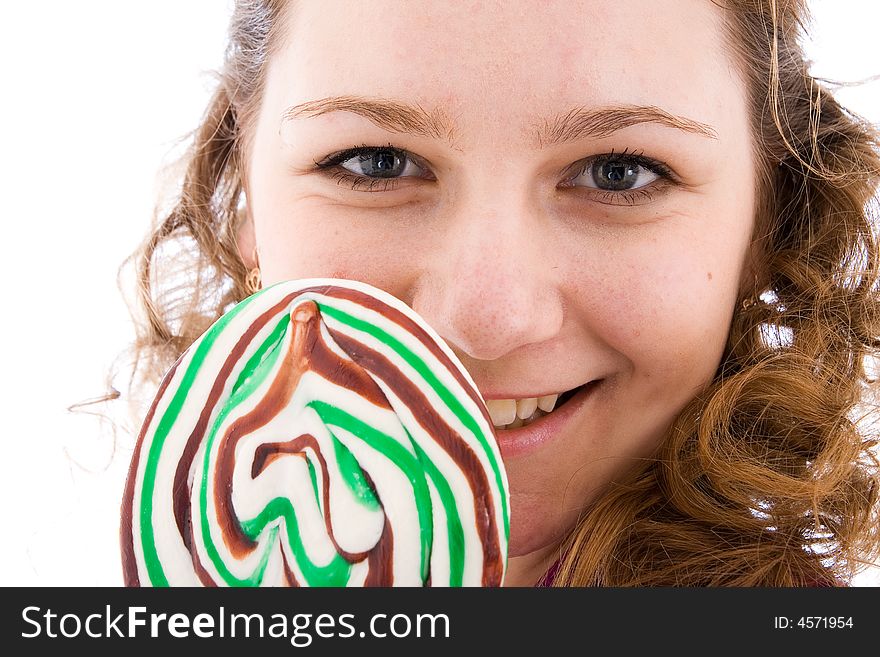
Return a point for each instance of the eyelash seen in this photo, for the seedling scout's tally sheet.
(330, 165)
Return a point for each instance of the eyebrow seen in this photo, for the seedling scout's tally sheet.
(597, 122)
(574, 125)
(392, 115)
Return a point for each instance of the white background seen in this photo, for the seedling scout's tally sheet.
(96, 95)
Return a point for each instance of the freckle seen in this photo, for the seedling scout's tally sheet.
(709, 275)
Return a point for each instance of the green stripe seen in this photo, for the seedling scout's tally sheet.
(335, 573)
(454, 530)
(269, 343)
(353, 475)
(397, 454)
(318, 499)
(154, 568)
(442, 391)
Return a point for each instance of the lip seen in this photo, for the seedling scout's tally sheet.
(527, 439)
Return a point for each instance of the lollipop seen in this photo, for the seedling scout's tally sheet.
(320, 433)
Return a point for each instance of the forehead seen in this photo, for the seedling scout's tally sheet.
(527, 58)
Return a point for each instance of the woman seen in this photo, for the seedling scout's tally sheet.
(646, 218)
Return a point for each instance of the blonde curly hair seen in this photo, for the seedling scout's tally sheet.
(769, 478)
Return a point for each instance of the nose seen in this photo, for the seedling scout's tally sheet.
(490, 286)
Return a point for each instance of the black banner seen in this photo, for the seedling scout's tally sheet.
(429, 621)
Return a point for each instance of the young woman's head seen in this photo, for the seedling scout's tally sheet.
(651, 204)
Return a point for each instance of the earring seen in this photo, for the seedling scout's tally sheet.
(254, 280)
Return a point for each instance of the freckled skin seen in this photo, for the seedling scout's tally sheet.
(536, 286)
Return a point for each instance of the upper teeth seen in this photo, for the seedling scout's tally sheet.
(505, 411)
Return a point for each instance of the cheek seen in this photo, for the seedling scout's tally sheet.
(312, 240)
(666, 308)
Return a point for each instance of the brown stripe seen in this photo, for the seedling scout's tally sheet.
(288, 572)
(204, 576)
(269, 452)
(454, 445)
(126, 532)
(381, 572)
(344, 373)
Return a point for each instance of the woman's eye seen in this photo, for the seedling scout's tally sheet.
(618, 173)
(369, 165)
(381, 163)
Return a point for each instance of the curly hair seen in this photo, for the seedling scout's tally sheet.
(769, 477)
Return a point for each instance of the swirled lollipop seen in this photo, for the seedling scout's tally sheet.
(320, 433)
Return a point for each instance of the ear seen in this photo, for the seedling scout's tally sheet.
(246, 239)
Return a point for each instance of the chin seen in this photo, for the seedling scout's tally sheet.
(532, 527)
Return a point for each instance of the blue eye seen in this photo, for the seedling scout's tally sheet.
(620, 173)
(375, 162)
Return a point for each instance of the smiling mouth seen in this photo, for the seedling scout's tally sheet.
(508, 414)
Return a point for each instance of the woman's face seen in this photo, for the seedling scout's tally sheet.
(563, 190)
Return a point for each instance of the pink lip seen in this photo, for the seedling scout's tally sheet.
(524, 440)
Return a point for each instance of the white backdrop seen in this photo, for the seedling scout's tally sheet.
(96, 95)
